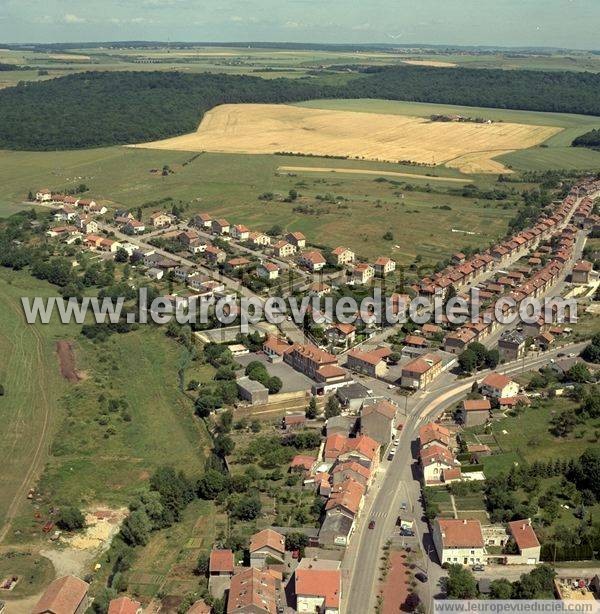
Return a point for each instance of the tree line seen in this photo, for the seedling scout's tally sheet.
(109, 108)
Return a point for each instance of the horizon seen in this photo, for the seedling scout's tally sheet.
(455, 23)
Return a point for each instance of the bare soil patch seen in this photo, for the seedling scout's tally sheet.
(66, 359)
(272, 128)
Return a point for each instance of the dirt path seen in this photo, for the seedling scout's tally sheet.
(358, 171)
(35, 377)
(66, 359)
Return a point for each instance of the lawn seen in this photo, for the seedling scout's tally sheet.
(35, 572)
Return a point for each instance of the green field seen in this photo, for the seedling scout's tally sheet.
(30, 407)
(84, 452)
(229, 185)
(35, 572)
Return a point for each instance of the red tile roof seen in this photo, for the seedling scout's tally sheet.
(434, 432)
(457, 533)
(477, 405)
(124, 605)
(63, 596)
(382, 406)
(254, 590)
(221, 560)
(267, 538)
(324, 583)
(496, 380)
(523, 534)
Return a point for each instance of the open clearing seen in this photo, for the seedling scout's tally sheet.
(358, 171)
(271, 128)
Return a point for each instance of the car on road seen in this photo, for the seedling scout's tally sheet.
(407, 532)
(403, 506)
(372, 524)
(478, 567)
(561, 355)
(421, 577)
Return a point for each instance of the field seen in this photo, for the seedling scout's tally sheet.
(59, 430)
(229, 185)
(264, 129)
(33, 387)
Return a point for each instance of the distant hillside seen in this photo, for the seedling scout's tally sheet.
(106, 108)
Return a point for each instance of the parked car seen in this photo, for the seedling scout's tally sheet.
(478, 567)
(421, 577)
(372, 524)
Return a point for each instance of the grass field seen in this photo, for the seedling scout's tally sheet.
(30, 407)
(63, 432)
(270, 128)
(35, 572)
(229, 185)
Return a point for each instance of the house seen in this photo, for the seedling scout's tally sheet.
(155, 273)
(421, 371)
(351, 470)
(436, 461)
(255, 591)
(581, 272)
(88, 225)
(214, 255)
(498, 386)
(67, 595)
(351, 397)
(134, 227)
(313, 260)
(276, 348)
(526, 540)
(340, 425)
(415, 341)
(341, 334)
(475, 411)
(202, 220)
(370, 363)
(44, 195)
(318, 288)
(221, 227)
(221, 563)
(240, 232)
(346, 498)
(431, 330)
(362, 449)
(459, 541)
(545, 340)
(384, 266)
(377, 420)
(302, 463)
(511, 345)
(336, 529)
(124, 605)
(237, 263)
(313, 362)
(159, 219)
(363, 273)
(433, 433)
(283, 249)
(456, 341)
(259, 238)
(342, 256)
(317, 590)
(266, 547)
(267, 270)
(252, 391)
(297, 239)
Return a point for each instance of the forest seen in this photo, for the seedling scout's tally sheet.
(108, 108)
(589, 139)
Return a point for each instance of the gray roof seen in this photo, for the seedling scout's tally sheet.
(337, 523)
(353, 391)
(249, 384)
(513, 336)
(343, 422)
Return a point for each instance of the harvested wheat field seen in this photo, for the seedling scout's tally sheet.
(434, 63)
(272, 128)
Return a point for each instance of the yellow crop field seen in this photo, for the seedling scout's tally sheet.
(433, 63)
(272, 128)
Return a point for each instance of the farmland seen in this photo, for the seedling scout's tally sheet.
(262, 129)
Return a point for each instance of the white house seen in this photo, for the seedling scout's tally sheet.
(498, 386)
(459, 541)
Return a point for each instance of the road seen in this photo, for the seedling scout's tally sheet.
(397, 481)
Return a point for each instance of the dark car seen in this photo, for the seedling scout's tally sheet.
(421, 577)
(372, 524)
(478, 568)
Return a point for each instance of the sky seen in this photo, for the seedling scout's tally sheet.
(539, 23)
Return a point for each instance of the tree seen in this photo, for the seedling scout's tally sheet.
(246, 507)
(136, 528)
(224, 445)
(538, 584)
(1, 390)
(70, 518)
(296, 541)
(578, 373)
(467, 361)
(212, 484)
(501, 589)
(274, 384)
(332, 407)
(202, 565)
(121, 255)
(461, 583)
(293, 195)
(311, 411)
(388, 236)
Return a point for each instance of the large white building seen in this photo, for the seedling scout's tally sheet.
(459, 541)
